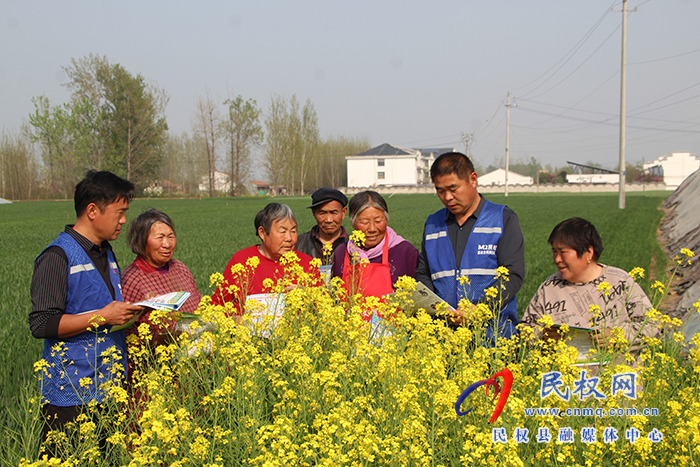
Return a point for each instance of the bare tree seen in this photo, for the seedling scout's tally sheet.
(310, 138)
(242, 131)
(206, 125)
(276, 124)
(331, 164)
(19, 170)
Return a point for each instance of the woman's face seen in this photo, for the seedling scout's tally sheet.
(281, 239)
(572, 267)
(160, 245)
(372, 222)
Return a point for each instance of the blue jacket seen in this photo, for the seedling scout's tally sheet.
(72, 359)
(479, 263)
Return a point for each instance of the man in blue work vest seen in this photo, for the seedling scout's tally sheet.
(76, 298)
(470, 237)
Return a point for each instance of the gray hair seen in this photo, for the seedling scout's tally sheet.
(366, 199)
(271, 213)
(139, 228)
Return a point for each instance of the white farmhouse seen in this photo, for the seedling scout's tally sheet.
(388, 165)
(674, 168)
(498, 178)
(222, 182)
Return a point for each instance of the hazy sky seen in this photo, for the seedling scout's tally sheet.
(414, 74)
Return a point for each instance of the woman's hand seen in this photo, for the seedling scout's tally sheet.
(601, 337)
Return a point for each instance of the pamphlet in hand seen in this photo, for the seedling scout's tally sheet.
(267, 312)
(426, 299)
(581, 341)
(170, 302)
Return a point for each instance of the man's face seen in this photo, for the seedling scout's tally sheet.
(330, 216)
(281, 239)
(108, 224)
(459, 196)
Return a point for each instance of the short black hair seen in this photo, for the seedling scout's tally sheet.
(140, 228)
(102, 188)
(577, 234)
(452, 163)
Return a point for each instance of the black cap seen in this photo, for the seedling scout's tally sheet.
(324, 195)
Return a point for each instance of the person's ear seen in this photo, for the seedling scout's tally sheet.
(589, 254)
(345, 212)
(261, 233)
(91, 211)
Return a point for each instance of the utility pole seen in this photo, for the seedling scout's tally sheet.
(623, 74)
(467, 137)
(508, 106)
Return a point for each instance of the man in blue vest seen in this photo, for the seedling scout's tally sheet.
(470, 237)
(76, 298)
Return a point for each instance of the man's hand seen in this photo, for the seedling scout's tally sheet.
(118, 312)
(114, 313)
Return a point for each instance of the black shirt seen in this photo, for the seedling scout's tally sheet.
(510, 252)
(311, 244)
(49, 289)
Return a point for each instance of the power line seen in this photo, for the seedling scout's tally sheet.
(663, 98)
(583, 63)
(665, 58)
(570, 53)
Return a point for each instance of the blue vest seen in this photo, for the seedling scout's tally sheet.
(479, 263)
(74, 358)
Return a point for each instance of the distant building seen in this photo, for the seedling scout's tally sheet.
(587, 175)
(498, 178)
(595, 179)
(159, 187)
(388, 165)
(674, 168)
(222, 183)
(257, 187)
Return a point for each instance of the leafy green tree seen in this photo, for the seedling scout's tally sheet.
(52, 130)
(242, 131)
(136, 122)
(113, 121)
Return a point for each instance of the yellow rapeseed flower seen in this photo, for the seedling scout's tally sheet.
(687, 253)
(658, 285)
(491, 292)
(215, 279)
(604, 288)
(252, 262)
(358, 238)
(637, 272)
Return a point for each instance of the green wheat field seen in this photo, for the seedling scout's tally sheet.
(209, 231)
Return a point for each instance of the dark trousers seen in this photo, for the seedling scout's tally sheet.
(56, 418)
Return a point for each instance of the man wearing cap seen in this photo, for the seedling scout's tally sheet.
(329, 207)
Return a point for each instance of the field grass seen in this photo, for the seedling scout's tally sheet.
(211, 230)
